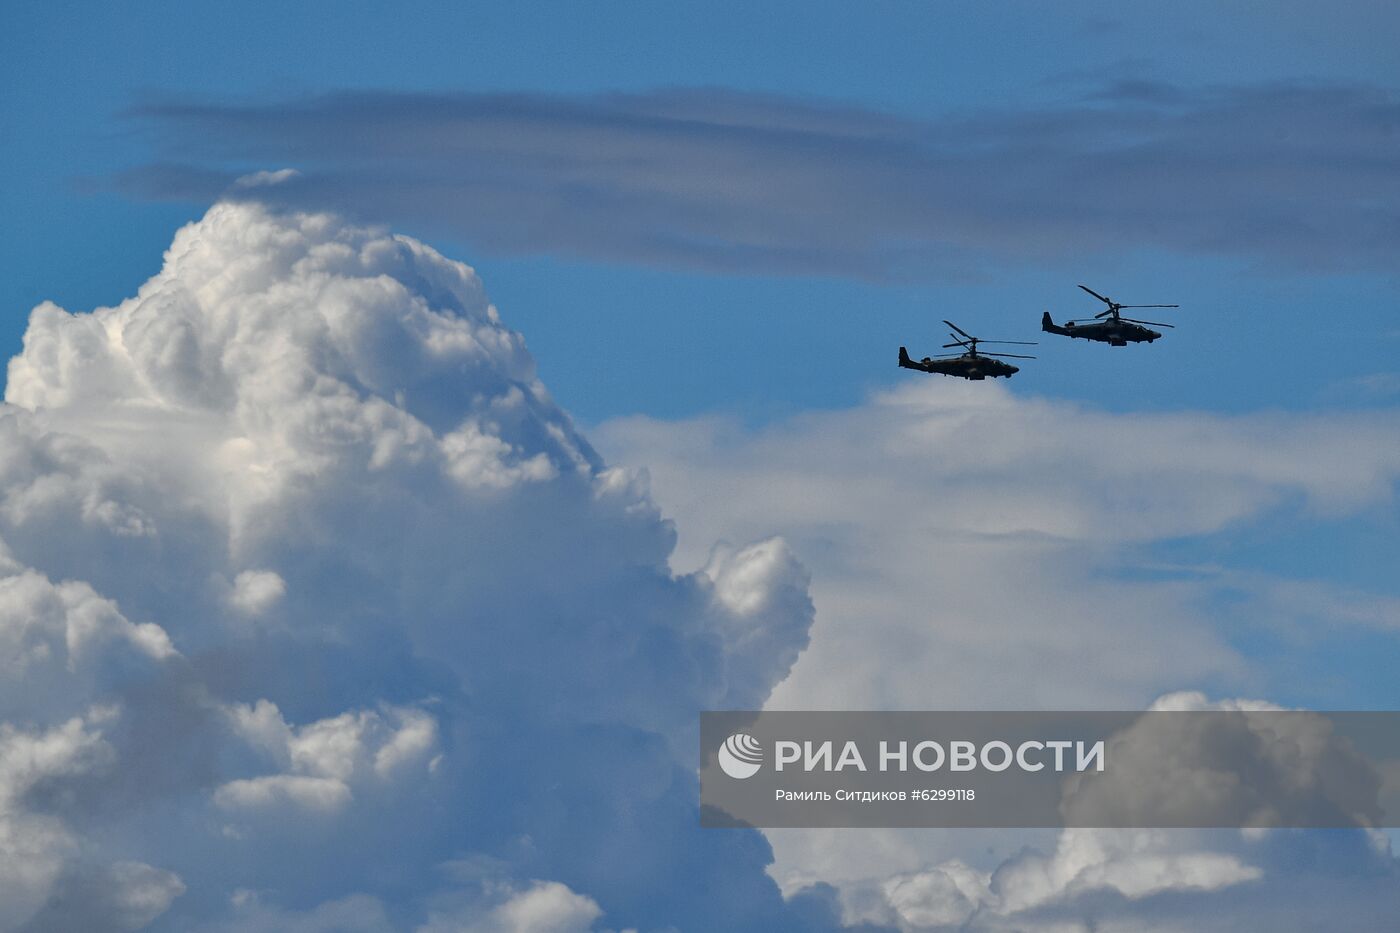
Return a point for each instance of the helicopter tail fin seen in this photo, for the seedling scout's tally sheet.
(904, 358)
(1050, 327)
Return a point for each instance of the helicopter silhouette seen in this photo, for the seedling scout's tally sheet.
(1117, 331)
(969, 364)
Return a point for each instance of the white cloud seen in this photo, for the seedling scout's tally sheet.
(944, 896)
(125, 895)
(298, 790)
(474, 646)
(356, 913)
(547, 907)
(1166, 879)
(1255, 769)
(468, 640)
(543, 907)
(65, 623)
(324, 759)
(1086, 870)
(256, 591)
(142, 893)
(972, 548)
(263, 178)
(35, 842)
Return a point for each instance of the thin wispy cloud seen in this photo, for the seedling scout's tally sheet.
(1291, 175)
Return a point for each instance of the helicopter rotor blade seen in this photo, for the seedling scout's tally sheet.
(959, 330)
(1013, 356)
(1149, 306)
(1134, 320)
(1024, 343)
(1096, 295)
(956, 343)
(1106, 313)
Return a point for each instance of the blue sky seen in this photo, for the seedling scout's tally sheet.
(712, 226)
(665, 340)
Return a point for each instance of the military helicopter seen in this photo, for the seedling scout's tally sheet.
(967, 365)
(1117, 331)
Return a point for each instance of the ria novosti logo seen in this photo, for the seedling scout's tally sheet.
(740, 756)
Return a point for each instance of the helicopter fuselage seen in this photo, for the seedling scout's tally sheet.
(1115, 333)
(973, 366)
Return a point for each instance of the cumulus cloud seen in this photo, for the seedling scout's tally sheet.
(64, 626)
(320, 614)
(256, 591)
(36, 842)
(543, 907)
(1296, 174)
(309, 589)
(1084, 871)
(1094, 879)
(322, 760)
(1252, 768)
(120, 896)
(971, 548)
(1153, 879)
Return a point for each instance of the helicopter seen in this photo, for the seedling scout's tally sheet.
(1117, 331)
(969, 364)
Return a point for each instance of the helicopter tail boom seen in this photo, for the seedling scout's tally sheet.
(906, 363)
(1049, 326)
